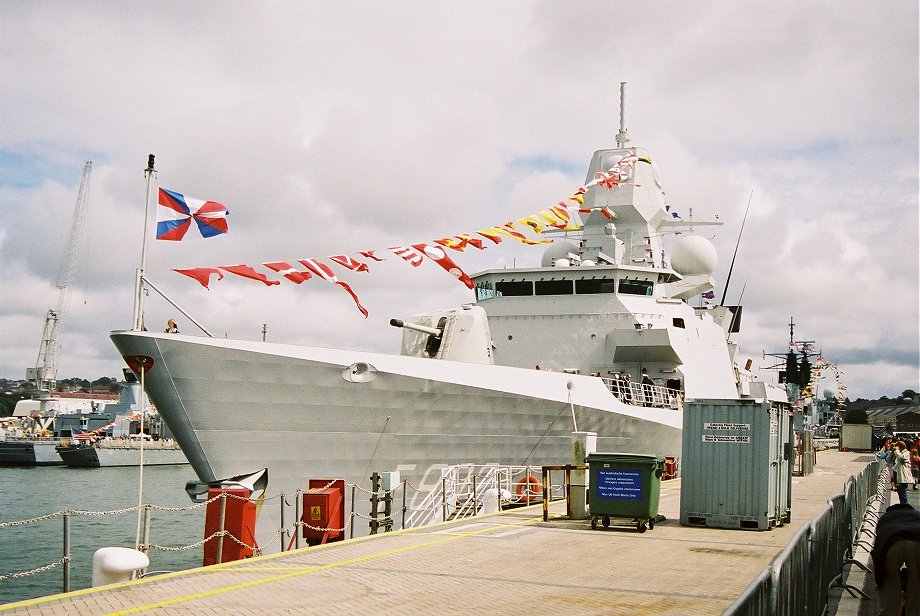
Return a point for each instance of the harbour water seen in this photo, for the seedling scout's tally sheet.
(30, 492)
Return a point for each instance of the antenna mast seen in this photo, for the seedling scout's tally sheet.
(44, 374)
(622, 136)
(735, 254)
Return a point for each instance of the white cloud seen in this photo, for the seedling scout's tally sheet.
(330, 128)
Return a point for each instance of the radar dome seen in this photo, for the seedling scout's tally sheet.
(693, 255)
(558, 250)
(829, 394)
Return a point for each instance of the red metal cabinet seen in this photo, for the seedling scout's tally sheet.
(239, 521)
(323, 511)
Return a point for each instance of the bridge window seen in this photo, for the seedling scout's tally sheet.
(595, 285)
(484, 290)
(554, 287)
(636, 287)
(514, 289)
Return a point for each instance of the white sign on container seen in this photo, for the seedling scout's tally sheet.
(726, 426)
(725, 438)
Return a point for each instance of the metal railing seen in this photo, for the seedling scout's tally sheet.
(641, 394)
(798, 581)
(464, 490)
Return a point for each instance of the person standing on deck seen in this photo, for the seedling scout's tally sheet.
(897, 544)
(647, 384)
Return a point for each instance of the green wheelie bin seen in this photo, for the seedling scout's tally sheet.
(624, 485)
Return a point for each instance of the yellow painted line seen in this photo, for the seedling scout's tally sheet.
(246, 565)
(309, 570)
(172, 574)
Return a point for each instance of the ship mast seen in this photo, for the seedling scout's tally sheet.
(139, 281)
(793, 369)
(44, 374)
(622, 136)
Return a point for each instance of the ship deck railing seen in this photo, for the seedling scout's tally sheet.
(642, 394)
(117, 443)
(31, 439)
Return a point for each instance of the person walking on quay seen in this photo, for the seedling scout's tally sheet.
(897, 544)
(915, 465)
(901, 469)
(886, 454)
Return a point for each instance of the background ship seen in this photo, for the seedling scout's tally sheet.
(605, 317)
(39, 424)
(123, 441)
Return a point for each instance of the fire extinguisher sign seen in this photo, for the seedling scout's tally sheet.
(316, 513)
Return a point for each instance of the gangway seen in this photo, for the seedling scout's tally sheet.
(467, 489)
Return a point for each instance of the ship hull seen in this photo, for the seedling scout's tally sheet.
(29, 453)
(238, 407)
(120, 455)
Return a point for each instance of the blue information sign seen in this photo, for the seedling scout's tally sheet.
(619, 484)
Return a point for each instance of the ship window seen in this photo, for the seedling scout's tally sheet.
(554, 287)
(636, 287)
(484, 290)
(678, 322)
(513, 289)
(594, 285)
(434, 342)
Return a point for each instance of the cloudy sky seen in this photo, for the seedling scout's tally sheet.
(330, 128)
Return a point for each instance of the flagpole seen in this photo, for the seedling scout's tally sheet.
(139, 277)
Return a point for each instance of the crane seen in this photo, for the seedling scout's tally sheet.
(44, 374)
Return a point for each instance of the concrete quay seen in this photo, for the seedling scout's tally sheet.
(493, 564)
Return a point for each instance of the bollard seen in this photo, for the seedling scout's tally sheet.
(491, 500)
(115, 564)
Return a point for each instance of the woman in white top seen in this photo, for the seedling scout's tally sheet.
(902, 473)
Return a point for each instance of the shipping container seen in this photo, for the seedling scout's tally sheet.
(736, 464)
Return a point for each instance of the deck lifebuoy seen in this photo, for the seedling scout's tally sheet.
(528, 489)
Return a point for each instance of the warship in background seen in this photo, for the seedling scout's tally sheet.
(38, 425)
(136, 435)
(818, 404)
